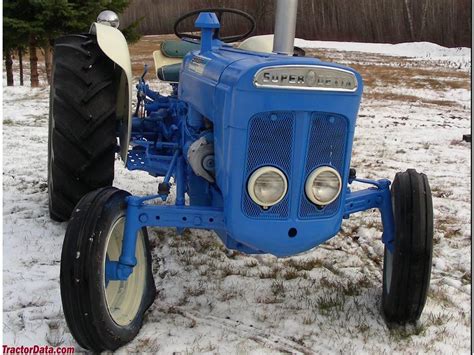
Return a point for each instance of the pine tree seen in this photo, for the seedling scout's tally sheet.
(36, 24)
(15, 34)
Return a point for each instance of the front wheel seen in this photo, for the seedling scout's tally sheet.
(103, 314)
(407, 269)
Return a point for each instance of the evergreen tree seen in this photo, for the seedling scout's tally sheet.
(36, 23)
(15, 34)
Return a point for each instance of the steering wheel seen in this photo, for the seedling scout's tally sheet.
(219, 12)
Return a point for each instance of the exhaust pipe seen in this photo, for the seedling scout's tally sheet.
(285, 26)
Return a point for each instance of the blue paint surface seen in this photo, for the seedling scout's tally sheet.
(294, 130)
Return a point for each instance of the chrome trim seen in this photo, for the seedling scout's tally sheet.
(304, 70)
(109, 18)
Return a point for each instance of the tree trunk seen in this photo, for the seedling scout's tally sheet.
(20, 59)
(410, 21)
(47, 60)
(33, 63)
(9, 67)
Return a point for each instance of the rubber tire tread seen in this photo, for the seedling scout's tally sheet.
(81, 290)
(82, 123)
(413, 249)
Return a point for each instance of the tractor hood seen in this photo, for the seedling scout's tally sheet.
(267, 110)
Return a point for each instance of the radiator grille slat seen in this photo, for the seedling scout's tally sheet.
(326, 146)
(270, 142)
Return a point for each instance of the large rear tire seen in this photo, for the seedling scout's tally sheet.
(103, 314)
(406, 271)
(82, 123)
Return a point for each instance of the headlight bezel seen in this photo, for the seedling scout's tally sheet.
(253, 179)
(310, 181)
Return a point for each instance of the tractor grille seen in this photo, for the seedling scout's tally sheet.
(326, 146)
(270, 142)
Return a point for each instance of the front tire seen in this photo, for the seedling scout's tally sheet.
(406, 271)
(103, 314)
(82, 123)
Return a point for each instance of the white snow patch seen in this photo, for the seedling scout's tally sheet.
(210, 301)
(425, 50)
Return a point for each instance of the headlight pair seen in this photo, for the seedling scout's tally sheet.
(268, 185)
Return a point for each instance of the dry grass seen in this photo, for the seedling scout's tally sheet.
(142, 52)
(390, 96)
(448, 225)
(380, 71)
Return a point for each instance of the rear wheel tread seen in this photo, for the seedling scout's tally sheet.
(82, 115)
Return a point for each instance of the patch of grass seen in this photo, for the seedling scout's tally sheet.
(291, 274)
(180, 302)
(303, 264)
(355, 287)
(148, 344)
(403, 333)
(363, 327)
(195, 290)
(251, 263)
(206, 244)
(269, 273)
(270, 299)
(309, 319)
(278, 288)
(371, 223)
(229, 270)
(327, 265)
(448, 225)
(437, 191)
(438, 319)
(227, 295)
(200, 349)
(8, 122)
(391, 96)
(441, 296)
(329, 303)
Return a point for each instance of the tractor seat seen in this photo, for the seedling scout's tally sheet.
(169, 57)
(171, 53)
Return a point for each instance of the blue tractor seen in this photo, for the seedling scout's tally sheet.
(255, 142)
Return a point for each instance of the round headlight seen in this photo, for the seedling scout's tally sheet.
(267, 186)
(323, 185)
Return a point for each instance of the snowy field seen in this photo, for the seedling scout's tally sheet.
(415, 109)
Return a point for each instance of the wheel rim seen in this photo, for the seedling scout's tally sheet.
(388, 268)
(123, 298)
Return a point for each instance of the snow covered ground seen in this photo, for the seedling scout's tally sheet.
(414, 112)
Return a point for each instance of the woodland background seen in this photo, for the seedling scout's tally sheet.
(30, 27)
(445, 22)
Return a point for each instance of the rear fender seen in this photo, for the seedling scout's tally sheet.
(113, 44)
